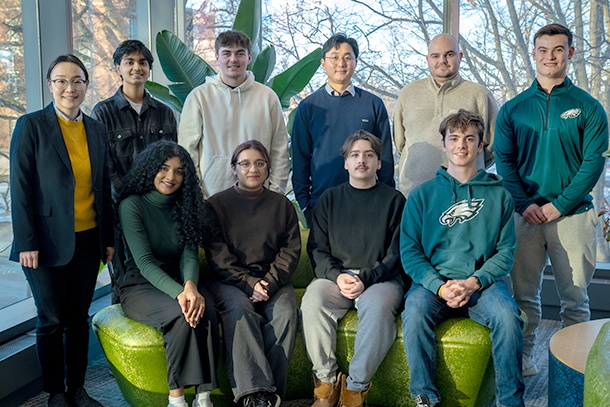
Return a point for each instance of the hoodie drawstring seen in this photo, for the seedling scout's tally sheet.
(229, 95)
(238, 95)
(453, 190)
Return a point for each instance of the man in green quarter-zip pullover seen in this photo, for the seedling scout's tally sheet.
(548, 147)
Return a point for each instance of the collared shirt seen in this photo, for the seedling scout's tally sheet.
(350, 89)
(63, 116)
(129, 132)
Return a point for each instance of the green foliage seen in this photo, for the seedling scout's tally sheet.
(162, 93)
(187, 70)
(294, 79)
(248, 20)
(181, 65)
(262, 68)
(291, 122)
(300, 215)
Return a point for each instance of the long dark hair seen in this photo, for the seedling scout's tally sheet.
(189, 209)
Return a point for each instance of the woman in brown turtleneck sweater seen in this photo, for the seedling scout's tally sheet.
(252, 258)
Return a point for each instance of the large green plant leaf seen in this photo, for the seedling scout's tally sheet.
(264, 64)
(294, 79)
(248, 19)
(162, 93)
(291, 122)
(181, 65)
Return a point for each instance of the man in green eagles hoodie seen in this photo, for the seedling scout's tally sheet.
(549, 145)
(457, 240)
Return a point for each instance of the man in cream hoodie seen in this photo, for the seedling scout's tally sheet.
(423, 104)
(229, 109)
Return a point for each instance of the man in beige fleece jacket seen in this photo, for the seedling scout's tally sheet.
(422, 106)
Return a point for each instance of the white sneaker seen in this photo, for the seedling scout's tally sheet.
(529, 367)
(178, 404)
(204, 402)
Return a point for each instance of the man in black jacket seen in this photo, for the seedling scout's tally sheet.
(134, 120)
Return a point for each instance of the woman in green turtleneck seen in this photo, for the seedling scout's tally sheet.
(162, 216)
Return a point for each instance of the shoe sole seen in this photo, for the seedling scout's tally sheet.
(532, 371)
(278, 402)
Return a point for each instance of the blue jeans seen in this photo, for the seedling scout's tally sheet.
(492, 307)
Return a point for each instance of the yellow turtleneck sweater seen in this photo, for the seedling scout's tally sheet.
(76, 142)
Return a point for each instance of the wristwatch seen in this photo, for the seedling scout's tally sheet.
(478, 282)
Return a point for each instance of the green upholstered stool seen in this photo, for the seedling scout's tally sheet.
(465, 374)
(597, 371)
(136, 356)
(464, 368)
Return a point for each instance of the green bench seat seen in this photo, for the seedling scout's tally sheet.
(465, 375)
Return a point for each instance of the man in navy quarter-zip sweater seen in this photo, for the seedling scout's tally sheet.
(326, 118)
(549, 145)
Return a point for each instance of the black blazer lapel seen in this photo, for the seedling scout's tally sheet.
(53, 131)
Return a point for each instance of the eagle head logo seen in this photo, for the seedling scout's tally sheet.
(461, 212)
(570, 114)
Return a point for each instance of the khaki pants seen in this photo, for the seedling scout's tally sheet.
(570, 244)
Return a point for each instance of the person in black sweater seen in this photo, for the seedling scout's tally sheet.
(354, 248)
(252, 259)
(162, 221)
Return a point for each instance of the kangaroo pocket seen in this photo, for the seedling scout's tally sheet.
(217, 175)
(454, 264)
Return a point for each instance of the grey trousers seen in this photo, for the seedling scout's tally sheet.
(570, 244)
(323, 306)
(259, 338)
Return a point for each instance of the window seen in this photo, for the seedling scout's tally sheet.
(98, 28)
(13, 286)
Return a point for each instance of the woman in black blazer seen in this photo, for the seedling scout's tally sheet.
(62, 224)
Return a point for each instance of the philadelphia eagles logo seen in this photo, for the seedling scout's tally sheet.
(461, 212)
(570, 114)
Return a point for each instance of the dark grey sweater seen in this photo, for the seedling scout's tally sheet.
(357, 229)
(258, 239)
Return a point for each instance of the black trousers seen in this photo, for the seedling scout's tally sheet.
(63, 296)
(117, 272)
(191, 353)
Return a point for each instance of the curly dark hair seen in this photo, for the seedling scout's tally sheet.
(189, 211)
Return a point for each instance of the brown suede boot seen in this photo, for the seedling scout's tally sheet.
(350, 398)
(326, 394)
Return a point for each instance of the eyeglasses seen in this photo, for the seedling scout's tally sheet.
(62, 84)
(245, 165)
(334, 60)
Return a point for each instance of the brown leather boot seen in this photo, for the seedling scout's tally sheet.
(350, 398)
(326, 394)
